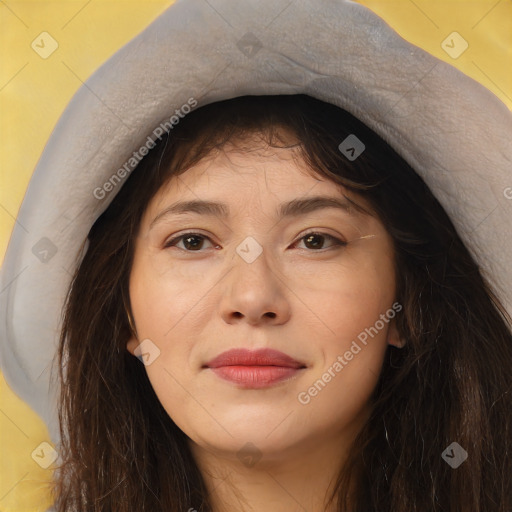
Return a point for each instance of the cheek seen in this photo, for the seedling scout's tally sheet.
(355, 308)
(170, 310)
(164, 310)
(161, 300)
(349, 298)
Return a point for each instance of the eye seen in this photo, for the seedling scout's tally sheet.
(191, 241)
(315, 239)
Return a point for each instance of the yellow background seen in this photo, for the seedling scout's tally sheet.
(34, 92)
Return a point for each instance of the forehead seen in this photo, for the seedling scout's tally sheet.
(249, 163)
(248, 175)
(352, 212)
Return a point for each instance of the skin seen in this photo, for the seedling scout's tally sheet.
(310, 302)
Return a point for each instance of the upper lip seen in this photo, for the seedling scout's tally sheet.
(260, 357)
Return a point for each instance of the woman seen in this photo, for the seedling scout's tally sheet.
(221, 434)
(392, 376)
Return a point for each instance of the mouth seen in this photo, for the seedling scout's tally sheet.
(254, 369)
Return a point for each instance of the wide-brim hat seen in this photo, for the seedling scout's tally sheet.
(453, 131)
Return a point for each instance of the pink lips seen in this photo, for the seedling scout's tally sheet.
(254, 369)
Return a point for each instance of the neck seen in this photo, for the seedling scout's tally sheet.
(299, 478)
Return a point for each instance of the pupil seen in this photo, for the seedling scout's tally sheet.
(186, 241)
(312, 237)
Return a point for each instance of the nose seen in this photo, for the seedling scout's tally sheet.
(255, 293)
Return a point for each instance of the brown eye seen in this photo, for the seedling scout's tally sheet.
(315, 241)
(192, 242)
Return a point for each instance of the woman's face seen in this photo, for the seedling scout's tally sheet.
(257, 278)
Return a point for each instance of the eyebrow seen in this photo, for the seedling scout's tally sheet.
(292, 208)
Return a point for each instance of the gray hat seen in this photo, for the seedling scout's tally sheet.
(454, 132)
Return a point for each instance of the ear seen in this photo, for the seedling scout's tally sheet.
(132, 344)
(393, 337)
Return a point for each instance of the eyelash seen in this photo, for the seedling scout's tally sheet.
(337, 241)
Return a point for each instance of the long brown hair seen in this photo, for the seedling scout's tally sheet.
(450, 383)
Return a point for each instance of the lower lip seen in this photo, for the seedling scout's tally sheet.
(255, 377)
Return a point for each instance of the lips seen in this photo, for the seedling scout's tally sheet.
(254, 369)
(262, 357)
